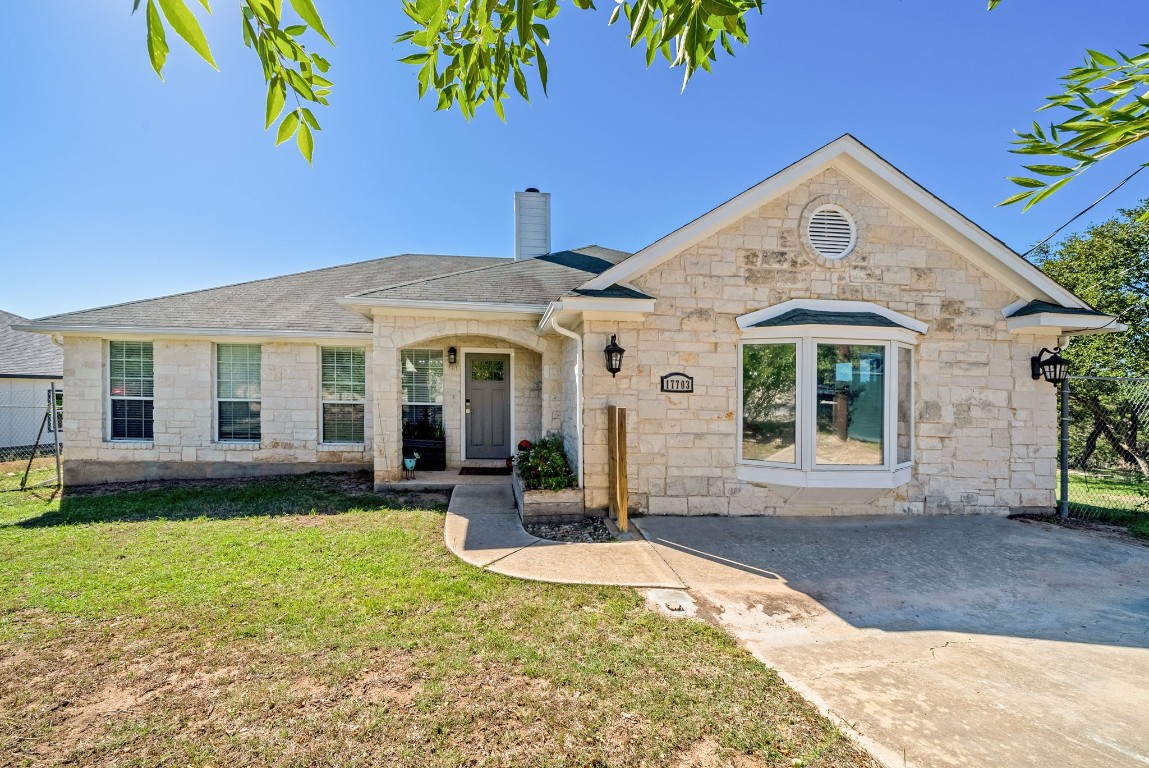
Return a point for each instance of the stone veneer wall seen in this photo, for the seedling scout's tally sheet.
(184, 414)
(986, 438)
(538, 378)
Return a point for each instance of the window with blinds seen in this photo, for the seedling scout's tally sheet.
(238, 392)
(131, 388)
(422, 394)
(343, 392)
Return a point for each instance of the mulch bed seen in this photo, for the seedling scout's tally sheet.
(587, 530)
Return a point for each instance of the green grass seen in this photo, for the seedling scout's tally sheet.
(307, 622)
(1115, 498)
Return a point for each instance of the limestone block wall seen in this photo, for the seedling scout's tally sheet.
(184, 442)
(538, 379)
(986, 438)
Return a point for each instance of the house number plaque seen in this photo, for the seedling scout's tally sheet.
(677, 382)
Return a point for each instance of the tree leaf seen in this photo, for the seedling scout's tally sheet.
(157, 40)
(1015, 198)
(186, 26)
(305, 141)
(1024, 182)
(287, 128)
(276, 95)
(307, 12)
(1050, 170)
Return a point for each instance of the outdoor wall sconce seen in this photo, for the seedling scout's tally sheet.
(452, 356)
(614, 355)
(1054, 368)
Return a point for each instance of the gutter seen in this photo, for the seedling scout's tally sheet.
(578, 389)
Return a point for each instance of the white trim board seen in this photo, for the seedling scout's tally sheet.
(881, 179)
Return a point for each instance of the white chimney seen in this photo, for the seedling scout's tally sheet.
(532, 223)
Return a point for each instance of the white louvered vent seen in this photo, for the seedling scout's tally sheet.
(831, 232)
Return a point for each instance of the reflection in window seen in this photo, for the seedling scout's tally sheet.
(769, 402)
(850, 404)
(422, 394)
(486, 370)
(905, 405)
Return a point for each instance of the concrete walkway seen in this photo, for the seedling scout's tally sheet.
(483, 529)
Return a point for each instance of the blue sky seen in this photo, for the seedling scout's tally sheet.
(116, 186)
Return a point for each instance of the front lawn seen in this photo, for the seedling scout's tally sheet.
(308, 622)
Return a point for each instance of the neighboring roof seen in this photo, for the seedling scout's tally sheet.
(1037, 307)
(853, 158)
(819, 317)
(27, 355)
(305, 301)
(536, 281)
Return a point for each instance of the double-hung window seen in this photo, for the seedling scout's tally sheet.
(238, 392)
(343, 392)
(131, 388)
(422, 393)
(826, 395)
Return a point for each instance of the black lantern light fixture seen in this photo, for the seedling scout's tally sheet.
(614, 355)
(452, 355)
(1050, 365)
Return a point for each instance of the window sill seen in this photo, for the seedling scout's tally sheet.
(237, 445)
(129, 444)
(826, 486)
(351, 447)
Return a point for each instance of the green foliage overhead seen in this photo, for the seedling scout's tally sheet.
(1108, 266)
(1104, 108)
(468, 51)
(288, 68)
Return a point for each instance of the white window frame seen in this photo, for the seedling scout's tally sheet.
(806, 472)
(442, 395)
(216, 399)
(323, 402)
(111, 397)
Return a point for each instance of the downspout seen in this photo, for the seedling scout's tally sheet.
(578, 388)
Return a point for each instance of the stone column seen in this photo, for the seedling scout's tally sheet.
(386, 394)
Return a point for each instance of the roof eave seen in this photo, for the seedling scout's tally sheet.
(114, 331)
(1065, 324)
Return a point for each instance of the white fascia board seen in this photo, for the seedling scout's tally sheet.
(135, 332)
(448, 308)
(1067, 324)
(746, 322)
(877, 176)
(832, 332)
(597, 308)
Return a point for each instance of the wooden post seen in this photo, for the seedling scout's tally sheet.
(616, 465)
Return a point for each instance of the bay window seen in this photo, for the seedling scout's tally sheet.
(826, 396)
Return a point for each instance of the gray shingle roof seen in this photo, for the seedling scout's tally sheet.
(535, 281)
(1036, 307)
(820, 317)
(305, 301)
(27, 355)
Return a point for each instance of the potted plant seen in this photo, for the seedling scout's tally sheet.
(409, 462)
(423, 437)
(544, 484)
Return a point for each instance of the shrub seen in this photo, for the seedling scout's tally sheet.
(543, 466)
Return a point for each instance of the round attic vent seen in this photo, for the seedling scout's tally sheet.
(831, 232)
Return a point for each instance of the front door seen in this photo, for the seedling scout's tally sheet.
(488, 405)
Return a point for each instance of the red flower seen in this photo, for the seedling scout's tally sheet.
(524, 445)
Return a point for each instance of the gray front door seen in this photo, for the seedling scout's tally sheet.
(488, 394)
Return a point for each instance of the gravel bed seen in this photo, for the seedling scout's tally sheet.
(587, 530)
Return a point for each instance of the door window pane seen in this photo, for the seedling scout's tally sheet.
(905, 405)
(769, 402)
(486, 370)
(850, 404)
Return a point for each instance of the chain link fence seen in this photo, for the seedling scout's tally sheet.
(31, 414)
(1109, 449)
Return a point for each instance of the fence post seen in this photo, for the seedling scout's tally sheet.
(1063, 502)
(616, 465)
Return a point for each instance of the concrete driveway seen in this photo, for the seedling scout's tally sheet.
(945, 641)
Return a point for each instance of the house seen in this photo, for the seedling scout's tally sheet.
(29, 364)
(834, 340)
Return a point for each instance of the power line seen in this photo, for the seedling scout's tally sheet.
(1085, 211)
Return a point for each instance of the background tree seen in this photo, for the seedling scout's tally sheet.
(1108, 266)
